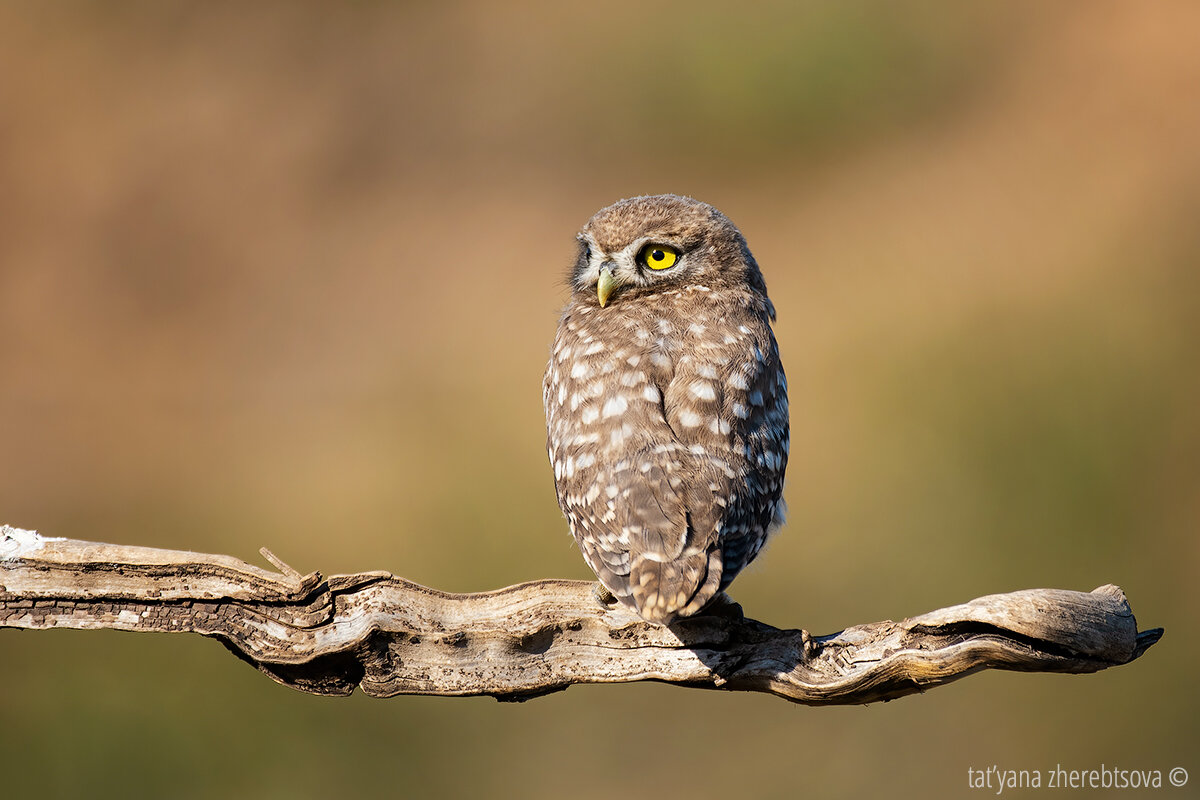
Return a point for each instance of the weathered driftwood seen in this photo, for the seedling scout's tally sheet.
(391, 636)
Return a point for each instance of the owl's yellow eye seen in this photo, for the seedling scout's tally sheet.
(658, 256)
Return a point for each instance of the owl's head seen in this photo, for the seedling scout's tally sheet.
(647, 245)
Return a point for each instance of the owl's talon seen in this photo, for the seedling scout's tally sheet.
(602, 594)
(722, 605)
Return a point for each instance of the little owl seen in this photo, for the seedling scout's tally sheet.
(666, 405)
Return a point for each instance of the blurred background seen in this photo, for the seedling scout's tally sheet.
(287, 275)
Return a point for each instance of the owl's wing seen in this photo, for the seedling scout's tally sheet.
(701, 507)
(674, 566)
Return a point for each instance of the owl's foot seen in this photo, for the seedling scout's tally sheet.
(602, 594)
(722, 605)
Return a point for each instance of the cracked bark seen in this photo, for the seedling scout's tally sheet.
(390, 636)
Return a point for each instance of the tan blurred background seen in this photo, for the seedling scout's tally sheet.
(287, 276)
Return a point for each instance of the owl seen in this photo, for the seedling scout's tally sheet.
(666, 405)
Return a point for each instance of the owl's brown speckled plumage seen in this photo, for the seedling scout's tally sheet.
(666, 405)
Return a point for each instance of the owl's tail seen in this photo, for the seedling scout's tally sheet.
(662, 591)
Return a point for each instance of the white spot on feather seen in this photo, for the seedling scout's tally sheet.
(619, 435)
(615, 405)
(719, 425)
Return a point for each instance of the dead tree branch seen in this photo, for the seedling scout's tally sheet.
(391, 636)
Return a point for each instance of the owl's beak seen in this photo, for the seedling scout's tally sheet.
(605, 286)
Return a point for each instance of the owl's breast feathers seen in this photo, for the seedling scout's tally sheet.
(668, 432)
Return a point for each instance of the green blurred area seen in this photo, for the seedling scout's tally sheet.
(286, 276)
